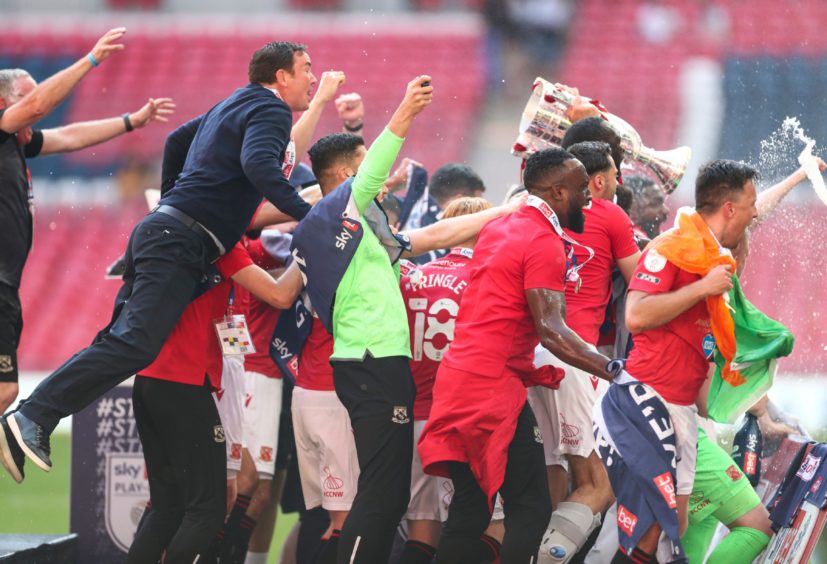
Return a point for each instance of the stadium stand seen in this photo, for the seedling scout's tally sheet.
(75, 244)
(633, 76)
(198, 69)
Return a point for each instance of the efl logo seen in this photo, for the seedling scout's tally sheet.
(626, 520)
(666, 487)
(750, 463)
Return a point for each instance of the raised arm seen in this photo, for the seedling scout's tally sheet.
(266, 136)
(548, 310)
(268, 214)
(768, 199)
(306, 125)
(351, 111)
(449, 232)
(176, 148)
(76, 136)
(52, 91)
(279, 293)
(380, 157)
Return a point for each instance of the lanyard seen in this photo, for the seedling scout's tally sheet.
(230, 300)
(573, 271)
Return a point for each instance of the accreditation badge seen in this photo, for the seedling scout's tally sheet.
(234, 335)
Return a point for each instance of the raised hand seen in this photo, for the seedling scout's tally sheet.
(328, 85)
(107, 45)
(156, 109)
(351, 109)
(717, 281)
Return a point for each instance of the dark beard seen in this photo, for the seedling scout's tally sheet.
(577, 220)
(651, 228)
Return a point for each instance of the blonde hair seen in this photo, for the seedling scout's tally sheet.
(465, 206)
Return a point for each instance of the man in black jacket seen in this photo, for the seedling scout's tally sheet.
(23, 103)
(236, 157)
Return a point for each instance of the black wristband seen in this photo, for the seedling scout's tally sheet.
(127, 122)
(355, 128)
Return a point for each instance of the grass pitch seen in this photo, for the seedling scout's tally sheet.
(40, 505)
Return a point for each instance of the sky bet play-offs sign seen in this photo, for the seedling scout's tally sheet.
(109, 485)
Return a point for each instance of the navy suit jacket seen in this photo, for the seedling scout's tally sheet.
(232, 156)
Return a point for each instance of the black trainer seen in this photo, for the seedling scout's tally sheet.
(10, 453)
(32, 438)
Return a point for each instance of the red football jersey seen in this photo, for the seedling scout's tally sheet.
(191, 351)
(608, 232)
(261, 316)
(672, 358)
(494, 329)
(432, 294)
(315, 372)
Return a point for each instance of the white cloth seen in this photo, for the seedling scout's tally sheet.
(326, 449)
(565, 415)
(430, 495)
(262, 410)
(230, 403)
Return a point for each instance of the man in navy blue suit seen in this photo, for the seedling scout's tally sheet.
(238, 154)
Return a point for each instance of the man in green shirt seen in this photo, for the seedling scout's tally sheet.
(371, 374)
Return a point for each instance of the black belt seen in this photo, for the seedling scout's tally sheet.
(192, 224)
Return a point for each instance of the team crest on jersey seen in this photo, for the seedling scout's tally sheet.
(538, 437)
(266, 454)
(127, 491)
(734, 473)
(400, 415)
(6, 364)
(218, 433)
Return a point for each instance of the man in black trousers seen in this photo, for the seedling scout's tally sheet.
(236, 157)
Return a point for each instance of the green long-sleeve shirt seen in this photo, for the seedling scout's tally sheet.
(369, 316)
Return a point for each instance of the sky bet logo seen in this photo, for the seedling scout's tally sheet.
(346, 235)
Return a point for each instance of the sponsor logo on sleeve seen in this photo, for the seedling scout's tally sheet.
(647, 278)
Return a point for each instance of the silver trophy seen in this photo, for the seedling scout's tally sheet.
(544, 123)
